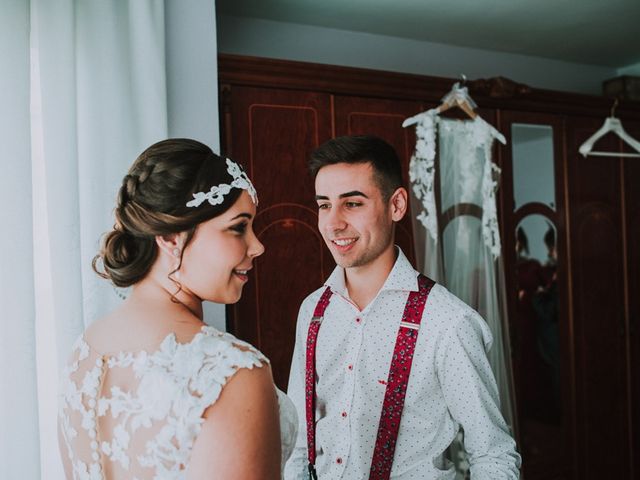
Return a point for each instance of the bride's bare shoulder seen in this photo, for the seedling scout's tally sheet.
(132, 327)
(242, 424)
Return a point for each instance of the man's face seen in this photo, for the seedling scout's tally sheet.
(353, 218)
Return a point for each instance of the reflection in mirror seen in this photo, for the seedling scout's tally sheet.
(533, 177)
(536, 340)
(538, 233)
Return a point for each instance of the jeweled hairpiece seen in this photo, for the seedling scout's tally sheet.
(215, 196)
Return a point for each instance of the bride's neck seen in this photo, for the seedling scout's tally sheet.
(161, 290)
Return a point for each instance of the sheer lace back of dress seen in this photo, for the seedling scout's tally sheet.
(136, 415)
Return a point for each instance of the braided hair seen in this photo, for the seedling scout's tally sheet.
(152, 201)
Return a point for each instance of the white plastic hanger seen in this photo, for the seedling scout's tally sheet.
(457, 97)
(611, 124)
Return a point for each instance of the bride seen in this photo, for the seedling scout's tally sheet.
(150, 391)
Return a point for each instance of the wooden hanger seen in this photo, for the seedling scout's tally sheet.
(464, 106)
(614, 125)
(457, 97)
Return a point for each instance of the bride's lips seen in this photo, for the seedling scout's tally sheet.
(242, 273)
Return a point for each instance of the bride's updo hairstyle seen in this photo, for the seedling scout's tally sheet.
(153, 201)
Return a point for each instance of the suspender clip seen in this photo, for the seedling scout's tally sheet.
(413, 326)
(312, 472)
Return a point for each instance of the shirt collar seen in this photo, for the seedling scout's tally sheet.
(402, 277)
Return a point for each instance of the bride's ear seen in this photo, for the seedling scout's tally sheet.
(170, 245)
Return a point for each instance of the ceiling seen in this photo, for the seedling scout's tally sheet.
(595, 32)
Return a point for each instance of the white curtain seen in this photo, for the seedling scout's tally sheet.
(82, 92)
(19, 453)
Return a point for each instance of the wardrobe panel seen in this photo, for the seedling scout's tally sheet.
(631, 189)
(532, 221)
(294, 248)
(272, 133)
(597, 272)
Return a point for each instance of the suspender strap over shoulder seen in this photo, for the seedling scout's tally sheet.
(396, 384)
(398, 380)
(310, 380)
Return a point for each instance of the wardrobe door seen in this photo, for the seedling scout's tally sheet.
(272, 132)
(383, 118)
(532, 217)
(631, 189)
(597, 262)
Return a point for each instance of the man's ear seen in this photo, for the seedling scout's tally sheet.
(171, 244)
(398, 203)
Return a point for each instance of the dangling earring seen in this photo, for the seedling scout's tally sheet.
(176, 252)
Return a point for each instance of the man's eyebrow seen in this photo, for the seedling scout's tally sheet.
(353, 193)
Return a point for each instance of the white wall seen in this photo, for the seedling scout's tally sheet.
(192, 70)
(192, 85)
(266, 38)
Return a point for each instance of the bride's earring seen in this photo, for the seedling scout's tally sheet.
(176, 252)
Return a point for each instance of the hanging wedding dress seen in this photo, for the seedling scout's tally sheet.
(467, 258)
(471, 245)
(136, 415)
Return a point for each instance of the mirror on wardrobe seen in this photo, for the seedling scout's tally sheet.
(534, 320)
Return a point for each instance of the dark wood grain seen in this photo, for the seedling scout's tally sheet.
(597, 273)
(272, 134)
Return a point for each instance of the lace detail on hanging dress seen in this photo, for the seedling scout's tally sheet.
(422, 172)
(470, 142)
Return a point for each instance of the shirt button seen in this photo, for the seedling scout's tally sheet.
(349, 367)
(358, 320)
(344, 414)
(339, 460)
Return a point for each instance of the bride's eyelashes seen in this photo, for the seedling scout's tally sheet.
(239, 228)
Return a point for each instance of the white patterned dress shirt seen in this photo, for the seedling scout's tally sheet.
(451, 385)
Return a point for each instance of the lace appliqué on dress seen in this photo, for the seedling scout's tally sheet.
(422, 173)
(472, 140)
(175, 386)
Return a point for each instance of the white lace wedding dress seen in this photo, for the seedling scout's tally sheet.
(136, 415)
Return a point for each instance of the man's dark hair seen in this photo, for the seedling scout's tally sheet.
(361, 149)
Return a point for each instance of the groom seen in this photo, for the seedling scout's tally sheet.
(387, 365)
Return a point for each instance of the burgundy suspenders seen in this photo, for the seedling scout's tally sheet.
(396, 383)
(310, 378)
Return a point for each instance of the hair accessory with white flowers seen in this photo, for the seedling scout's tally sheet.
(215, 196)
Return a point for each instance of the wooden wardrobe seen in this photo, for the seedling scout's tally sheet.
(274, 113)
